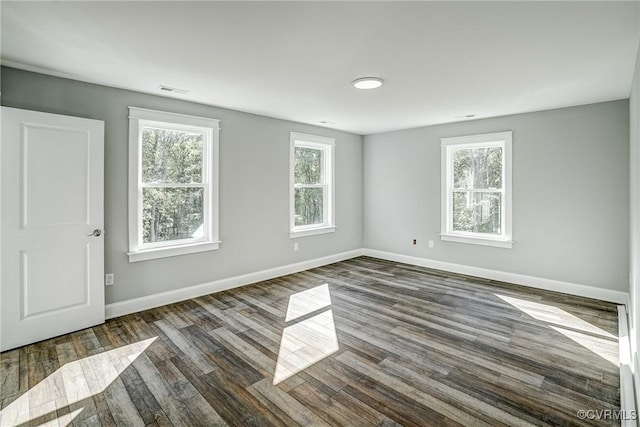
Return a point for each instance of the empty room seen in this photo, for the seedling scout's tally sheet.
(368, 213)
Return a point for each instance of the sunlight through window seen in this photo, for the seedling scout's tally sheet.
(310, 340)
(308, 301)
(591, 337)
(600, 346)
(72, 383)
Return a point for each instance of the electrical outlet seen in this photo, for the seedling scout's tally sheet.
(295, 247)
(415, 241)
(109, 279)
(431, 244)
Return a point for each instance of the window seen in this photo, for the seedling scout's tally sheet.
(173, 184)
(311, 185)
(476, 189)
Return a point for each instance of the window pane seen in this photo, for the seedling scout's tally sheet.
(308, 168)
(309, 206)
(171, 156)
(477, 168)
(477, 212)
(172, 214)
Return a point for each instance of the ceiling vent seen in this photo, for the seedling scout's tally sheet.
(173, 90)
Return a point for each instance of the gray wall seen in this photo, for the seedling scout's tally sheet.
(254, 185)
(570, 194)
(570, 187)
(634, 197)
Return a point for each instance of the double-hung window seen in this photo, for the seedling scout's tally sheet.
(476, 189)
(312, 185)
(173, 184)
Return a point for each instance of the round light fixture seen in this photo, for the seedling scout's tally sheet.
(367, 82)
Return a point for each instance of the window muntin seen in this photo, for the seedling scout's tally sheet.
(477, 189)
(173, 184)
(311, 184)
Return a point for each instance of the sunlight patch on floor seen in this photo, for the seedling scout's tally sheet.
(308, 301)
(551, 314)
(310, 340)
(600, 346)
(71, 383)
(591, 337)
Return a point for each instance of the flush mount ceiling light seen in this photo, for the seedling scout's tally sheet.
(367, 82)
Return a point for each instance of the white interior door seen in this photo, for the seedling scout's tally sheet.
(52, 200)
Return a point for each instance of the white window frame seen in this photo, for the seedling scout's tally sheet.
(327, 145)
(448, 145)
(140, 118)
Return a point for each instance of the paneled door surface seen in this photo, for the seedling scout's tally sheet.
(52, 179)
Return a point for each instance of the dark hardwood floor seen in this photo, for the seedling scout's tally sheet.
(362, 342)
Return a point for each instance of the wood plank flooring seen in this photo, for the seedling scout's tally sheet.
(362, 342)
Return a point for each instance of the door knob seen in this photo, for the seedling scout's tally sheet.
(96, 233)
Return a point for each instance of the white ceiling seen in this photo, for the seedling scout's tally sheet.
(296, 60)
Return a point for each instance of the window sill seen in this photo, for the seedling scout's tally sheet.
(483, 241)
(171, 251)
(311, 232)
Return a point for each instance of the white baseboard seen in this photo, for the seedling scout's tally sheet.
(636, 376)
(617, 297)
(144, 303)
(627, 395)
